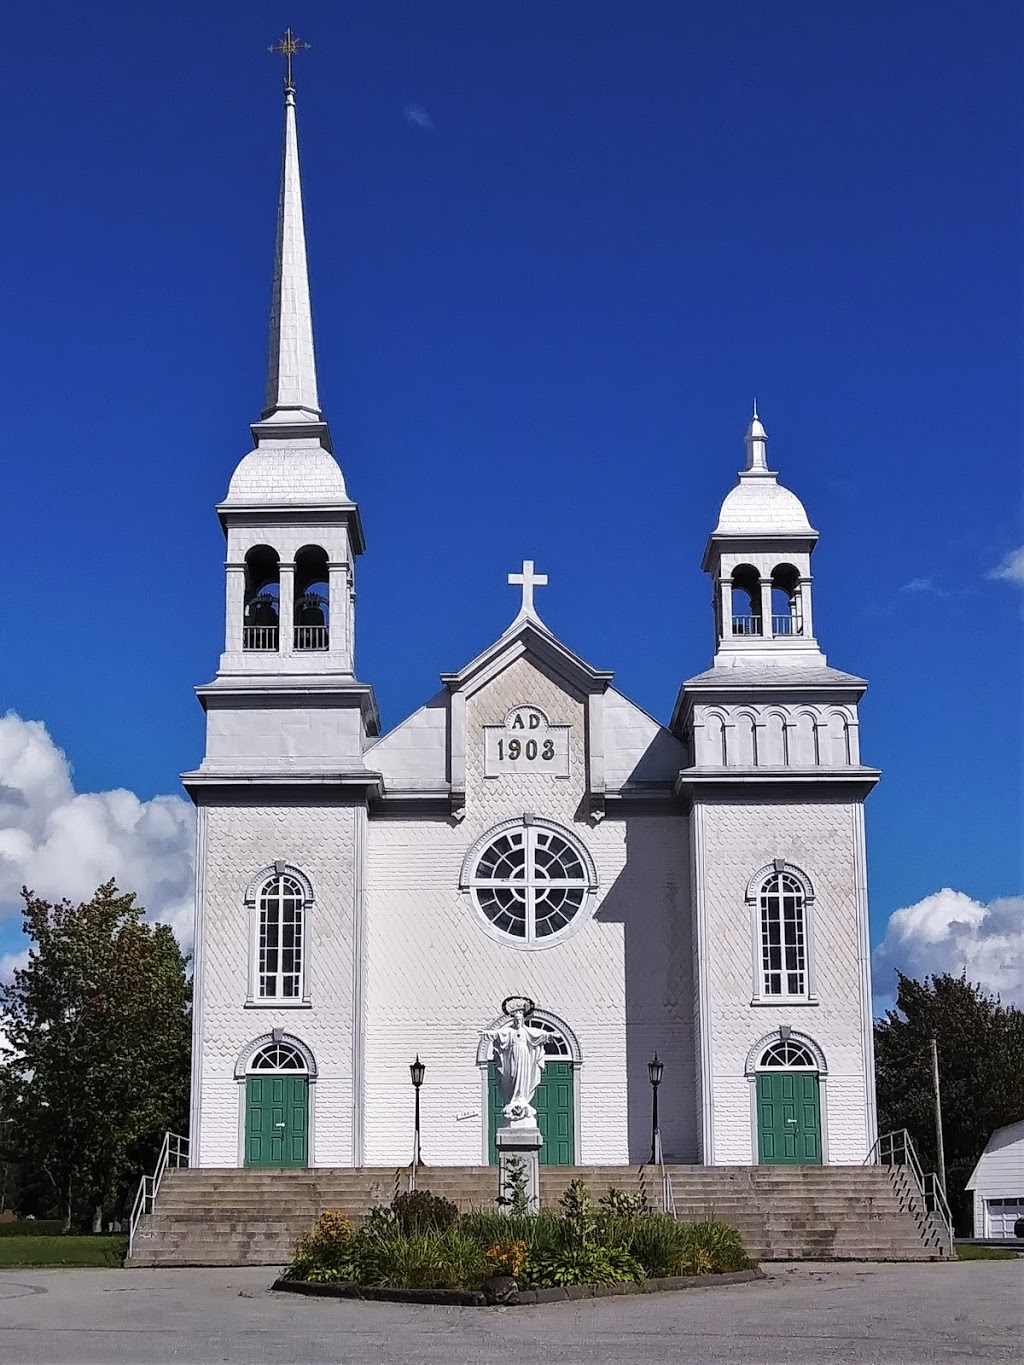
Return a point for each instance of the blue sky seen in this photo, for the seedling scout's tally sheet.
(555, 250)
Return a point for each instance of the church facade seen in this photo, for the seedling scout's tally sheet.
(695, 890)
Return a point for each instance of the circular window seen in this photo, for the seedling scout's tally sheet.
(530, 882)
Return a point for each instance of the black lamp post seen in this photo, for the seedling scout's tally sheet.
(655, 1070)
(416, 1070)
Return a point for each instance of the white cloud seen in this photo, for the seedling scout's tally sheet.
(925, 585)
(62, 843)
(1010, 568)
(418, 116)
(949, 932)
(918, 585)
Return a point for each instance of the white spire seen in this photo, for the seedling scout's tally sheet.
(757, 444)
(291, 368)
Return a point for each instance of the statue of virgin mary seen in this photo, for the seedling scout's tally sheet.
(519, 1053)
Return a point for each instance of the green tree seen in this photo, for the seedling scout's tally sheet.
(981, 1072)
(99, 1025)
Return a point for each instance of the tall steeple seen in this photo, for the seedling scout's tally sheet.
(291, 366)
(293, 532)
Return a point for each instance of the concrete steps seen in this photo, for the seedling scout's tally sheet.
(255, 1217)
(812, 1212)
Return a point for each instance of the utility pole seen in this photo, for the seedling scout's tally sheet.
(938, 1116)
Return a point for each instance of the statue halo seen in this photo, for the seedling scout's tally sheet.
(512, 1003)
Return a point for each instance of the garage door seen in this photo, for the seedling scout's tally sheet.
(1001, 1214)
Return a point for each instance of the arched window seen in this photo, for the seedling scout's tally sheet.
(786, 607)
(530, 880)
(746, 601)
(783, 923)
(312, 599)
(262, 599)
(788, 1053)
(278, 1057)
(280, 938)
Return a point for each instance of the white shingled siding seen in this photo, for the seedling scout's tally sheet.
(237, 842)
(435, 977)
(733, 840)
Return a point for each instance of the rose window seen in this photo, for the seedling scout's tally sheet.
(531, 882)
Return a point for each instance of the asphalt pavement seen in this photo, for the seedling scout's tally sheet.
(853, 1314)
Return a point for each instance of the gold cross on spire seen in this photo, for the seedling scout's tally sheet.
(288, 46)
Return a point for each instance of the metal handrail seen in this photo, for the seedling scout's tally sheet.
(173, 1151)
(668, 1198)
(897, 1149)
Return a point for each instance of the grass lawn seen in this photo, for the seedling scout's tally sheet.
(103, 1251)
(985, 1254)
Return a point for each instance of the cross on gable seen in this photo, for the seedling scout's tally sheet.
(528, 580)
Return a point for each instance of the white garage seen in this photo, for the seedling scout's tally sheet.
(998, 1183)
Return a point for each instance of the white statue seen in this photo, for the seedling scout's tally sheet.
(519, 1052)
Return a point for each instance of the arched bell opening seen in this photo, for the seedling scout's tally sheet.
(746, 601)
(262, 611)
(312, 599)
(787, 614)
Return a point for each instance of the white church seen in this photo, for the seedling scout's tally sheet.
(694, 889)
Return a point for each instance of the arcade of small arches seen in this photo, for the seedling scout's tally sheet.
(309, 599)
(778, 737)
(772, 605)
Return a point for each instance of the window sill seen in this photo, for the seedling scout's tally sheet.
(279, 1004)
(763, 1002)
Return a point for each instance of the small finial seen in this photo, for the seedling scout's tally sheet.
(287, 47)
(756, 443)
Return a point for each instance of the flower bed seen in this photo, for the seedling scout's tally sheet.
(422, 1244)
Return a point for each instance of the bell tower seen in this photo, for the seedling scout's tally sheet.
(759, 559)
(285, 696)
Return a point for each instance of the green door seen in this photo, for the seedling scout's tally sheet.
(276, 1120)
(788, 1119)
(553, 1102)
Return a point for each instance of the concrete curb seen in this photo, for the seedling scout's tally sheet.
(466, 1298)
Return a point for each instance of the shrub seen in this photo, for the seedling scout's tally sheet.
(327, 1254)
(583, 1265)
(624, 1203)
(420, 1211)
(32, 1227)
(510, 1257)
(578, 1218)
(515, 1188)
(711, 1247)
(424, 1260)
(657, 1241)
(542, 1232)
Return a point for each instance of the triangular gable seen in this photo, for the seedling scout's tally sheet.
(628, 752)
(528, 635)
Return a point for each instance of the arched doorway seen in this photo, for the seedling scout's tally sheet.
(788, 1103)
(555, 1097)
(277, 1106)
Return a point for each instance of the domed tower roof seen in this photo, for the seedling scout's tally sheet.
(759, 505)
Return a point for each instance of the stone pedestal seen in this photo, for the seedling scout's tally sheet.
(524, 1143)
